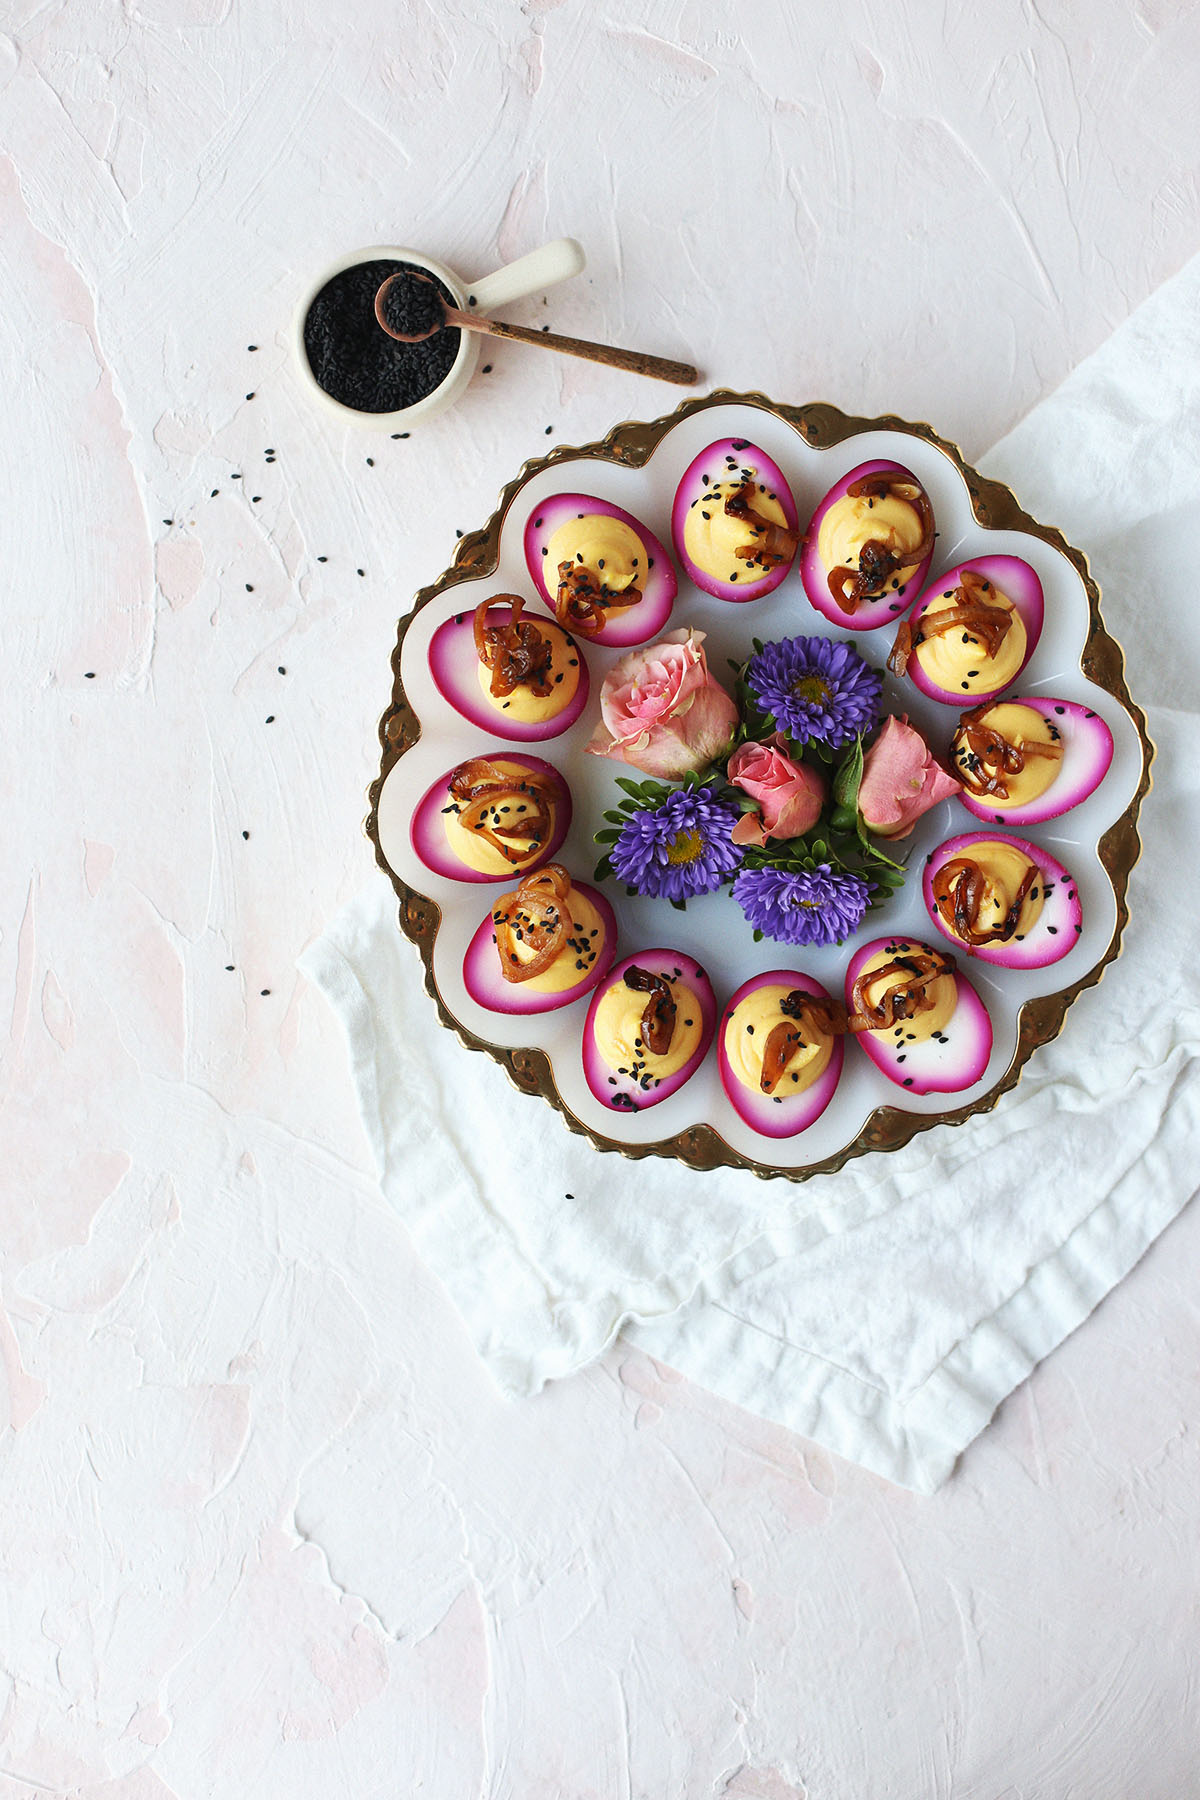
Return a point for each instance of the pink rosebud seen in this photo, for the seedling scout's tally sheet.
(661, 711)
(901, 780)
(789, 794)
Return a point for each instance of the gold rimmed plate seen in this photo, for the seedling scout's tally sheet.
(637, 467)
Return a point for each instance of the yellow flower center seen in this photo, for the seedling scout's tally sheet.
(684, 847)
(812, 689)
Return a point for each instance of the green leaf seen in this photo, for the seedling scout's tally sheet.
(606, 837)
(848, 778)
(679, 905)
(603, 870)
(616, 818)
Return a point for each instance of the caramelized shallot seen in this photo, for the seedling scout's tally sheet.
(482, 789)
(773, 544)
(904, 1001)
(958, 893)
(534, 915)
(517, 653)
(975, 615)
(584, 602)
(823, 1018)
(985, 758)
(658, 1019)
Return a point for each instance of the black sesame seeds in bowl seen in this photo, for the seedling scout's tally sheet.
(350, 363)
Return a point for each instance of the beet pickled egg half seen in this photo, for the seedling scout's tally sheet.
(499, 814)
(603, 574)
(779, 1054)
(543, 945)
(1002, 899)
(868, 546)
(734, 521)
(921, 1023)
(505, 672)
(972, 631)
(1024, 760)
(648, 1029)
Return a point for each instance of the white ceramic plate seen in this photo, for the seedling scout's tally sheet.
(713, 928)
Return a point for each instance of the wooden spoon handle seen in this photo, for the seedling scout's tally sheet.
(638, 361)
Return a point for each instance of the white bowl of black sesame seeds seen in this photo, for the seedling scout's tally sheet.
(360, 374)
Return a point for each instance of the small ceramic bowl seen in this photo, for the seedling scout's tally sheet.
(542, 268)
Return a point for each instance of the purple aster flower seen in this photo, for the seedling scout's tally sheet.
(816, 688)
(679, 849)
(802, 906)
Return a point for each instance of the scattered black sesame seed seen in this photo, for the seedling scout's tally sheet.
(361, 571)
(89, 674)
(486, 370)
(245, 834)
(322, 559)
(249, 587)
(549, 429)
(252, 346)
(264, 992)
(214, 493)
(370, 462)
(282, 670)
(270, 719)
(229, 968)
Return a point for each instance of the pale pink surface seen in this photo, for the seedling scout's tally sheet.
(269, 1529)
(661, 709)
(790, 795)
(901, 780)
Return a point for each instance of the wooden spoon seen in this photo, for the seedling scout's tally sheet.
(683, 374)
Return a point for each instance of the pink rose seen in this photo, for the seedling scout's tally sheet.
(900, 780)
(661, 711)
(789, 794)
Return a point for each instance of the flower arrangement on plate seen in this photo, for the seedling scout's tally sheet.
(785, 790)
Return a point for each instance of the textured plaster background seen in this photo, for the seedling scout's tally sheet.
(267, 1529)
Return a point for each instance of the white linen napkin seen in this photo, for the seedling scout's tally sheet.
(887, 1310)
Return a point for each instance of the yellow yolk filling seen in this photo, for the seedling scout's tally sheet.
(612, 550)
(746, 1033)
(585, 939)
(618, 1031)
(854, 520)
(922, 1025)
(1019, 725)
(529, 708)
(473, 849)
(712, 537)
(1004, 868)
(956, 660)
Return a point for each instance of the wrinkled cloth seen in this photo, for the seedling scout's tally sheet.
(886, 1311)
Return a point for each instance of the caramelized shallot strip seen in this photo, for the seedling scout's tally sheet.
(975, 615)
(534, 915)
(773, 543)
(910, 997)
(958, 893)
(583, 601)
(822, 1016)
(877, 562)
(480, 788)
(658, 1020)
(517, 653)
(986, 758)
